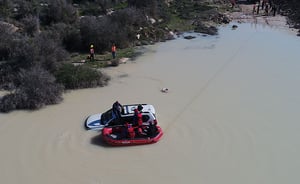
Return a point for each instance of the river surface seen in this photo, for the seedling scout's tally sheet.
(231, 116)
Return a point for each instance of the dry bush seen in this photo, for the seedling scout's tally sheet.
(36, 88)
(30, 24)
(58, 11)
(119, 28)
(49, 53)
(6, 40)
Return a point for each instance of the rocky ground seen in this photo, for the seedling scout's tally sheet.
(244, 13)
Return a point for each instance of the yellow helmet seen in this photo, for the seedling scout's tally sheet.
(92, 46)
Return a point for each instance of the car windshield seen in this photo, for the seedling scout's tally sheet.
(107, 117)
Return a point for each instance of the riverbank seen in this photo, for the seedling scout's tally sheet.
(243, 13)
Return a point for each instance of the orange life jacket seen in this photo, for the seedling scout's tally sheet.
(92, 51)
(113, 48)
(131, 131)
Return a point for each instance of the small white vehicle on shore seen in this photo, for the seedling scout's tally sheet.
(111, 118)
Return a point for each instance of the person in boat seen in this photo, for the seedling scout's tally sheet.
(138, 120)
(127, 131)
(124, 132)
(151, 129)
(130, 130)
(117, 109)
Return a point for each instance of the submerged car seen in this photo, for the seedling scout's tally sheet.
(111, 118)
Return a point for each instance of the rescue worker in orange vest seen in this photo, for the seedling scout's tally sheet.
(113, 50)
(138, 119)
(130, 131)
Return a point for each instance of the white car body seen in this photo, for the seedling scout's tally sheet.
(100, 120)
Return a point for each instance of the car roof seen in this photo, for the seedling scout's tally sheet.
(129, 109)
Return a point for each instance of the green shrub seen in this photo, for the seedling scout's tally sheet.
(73, 77)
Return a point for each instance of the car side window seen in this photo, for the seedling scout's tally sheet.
(127, 118)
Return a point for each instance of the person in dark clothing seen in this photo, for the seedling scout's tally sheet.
(152, 129)
(254, 9)
(274, 9)
(117, 109)
(124, 132)
(232, 3)
(267, 9)
(257, 10)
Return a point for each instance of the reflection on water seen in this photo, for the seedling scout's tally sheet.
(231, 116)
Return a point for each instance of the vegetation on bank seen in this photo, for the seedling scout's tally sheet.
(35, 88)
(290, 8)
(40, 40)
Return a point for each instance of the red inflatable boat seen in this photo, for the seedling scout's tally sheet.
(115, 136)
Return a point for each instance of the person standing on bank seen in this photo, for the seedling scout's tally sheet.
(113, 50)
(232, 3)
(92, 53)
